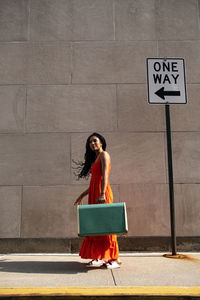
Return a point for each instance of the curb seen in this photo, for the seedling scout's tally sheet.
(100, 291)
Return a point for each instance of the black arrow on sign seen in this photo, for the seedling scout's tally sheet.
(161, 93)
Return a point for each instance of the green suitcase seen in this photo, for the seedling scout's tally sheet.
(102, 219)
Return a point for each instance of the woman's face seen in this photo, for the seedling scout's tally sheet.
(95, 143)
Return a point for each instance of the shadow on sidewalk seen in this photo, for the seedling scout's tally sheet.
(46, 267)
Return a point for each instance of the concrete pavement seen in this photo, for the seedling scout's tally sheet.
(62, 274)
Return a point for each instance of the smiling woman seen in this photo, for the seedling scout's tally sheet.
(103, 250)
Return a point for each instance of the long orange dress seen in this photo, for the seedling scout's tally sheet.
(99, 247)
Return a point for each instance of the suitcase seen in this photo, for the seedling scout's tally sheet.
(102, 219)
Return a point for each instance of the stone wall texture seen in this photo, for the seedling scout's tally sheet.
(72, 67)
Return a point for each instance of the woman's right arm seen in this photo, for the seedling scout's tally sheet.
(80, 198)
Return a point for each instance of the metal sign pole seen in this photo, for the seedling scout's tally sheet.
(167, 85)
(171, 182)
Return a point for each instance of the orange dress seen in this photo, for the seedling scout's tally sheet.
(99, 247)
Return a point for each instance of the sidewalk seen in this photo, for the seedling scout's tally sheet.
(62, 274)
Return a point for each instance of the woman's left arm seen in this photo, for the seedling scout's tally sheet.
(105, 160)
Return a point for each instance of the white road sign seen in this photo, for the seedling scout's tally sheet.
(166, 81)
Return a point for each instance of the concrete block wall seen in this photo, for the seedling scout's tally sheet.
(71, 67)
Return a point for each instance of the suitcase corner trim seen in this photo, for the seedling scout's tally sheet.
(78, 224)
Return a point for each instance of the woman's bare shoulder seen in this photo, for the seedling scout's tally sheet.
(104, 155)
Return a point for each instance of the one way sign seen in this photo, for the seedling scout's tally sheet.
(166, 81)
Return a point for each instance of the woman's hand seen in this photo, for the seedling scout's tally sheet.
(78, 200)
(101, 199)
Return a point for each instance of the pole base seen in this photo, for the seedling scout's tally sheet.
(175, 256)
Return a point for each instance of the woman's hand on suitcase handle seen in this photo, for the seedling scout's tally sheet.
(101, 199)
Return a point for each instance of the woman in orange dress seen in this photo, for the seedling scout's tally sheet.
(103, 250)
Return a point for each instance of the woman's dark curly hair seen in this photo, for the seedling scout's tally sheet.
(83, 168)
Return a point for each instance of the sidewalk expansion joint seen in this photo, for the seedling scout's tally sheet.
(115, 283)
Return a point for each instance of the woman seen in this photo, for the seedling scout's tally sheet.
(103, 250)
